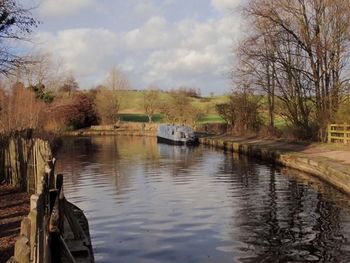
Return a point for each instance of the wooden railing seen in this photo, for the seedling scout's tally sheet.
(55, 231)
(338, 133)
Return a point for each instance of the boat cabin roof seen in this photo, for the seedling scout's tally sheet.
(168, 127)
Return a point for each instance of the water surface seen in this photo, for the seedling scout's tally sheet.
(149, 202)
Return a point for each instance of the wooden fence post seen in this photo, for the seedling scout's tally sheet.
(338, 133)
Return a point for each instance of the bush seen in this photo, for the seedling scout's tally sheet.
(20, 109)
(241, 112)
(343, 114)
(69, 113)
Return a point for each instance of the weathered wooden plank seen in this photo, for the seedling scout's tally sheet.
(66, 255)
(74, 225)
(59, 181)
(54, 218)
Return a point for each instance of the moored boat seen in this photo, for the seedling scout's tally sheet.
(175, 134)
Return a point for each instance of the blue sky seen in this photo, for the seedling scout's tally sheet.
(168, 43)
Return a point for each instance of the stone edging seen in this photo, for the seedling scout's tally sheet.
(328, 170)
(109, 133)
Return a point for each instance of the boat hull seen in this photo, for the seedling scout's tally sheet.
(174, 142)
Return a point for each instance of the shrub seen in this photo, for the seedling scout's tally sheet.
(74, 112)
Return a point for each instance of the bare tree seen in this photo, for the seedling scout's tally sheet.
(298, 52)
(70, 85)
(116, 80)
(110, 96)
(43, 74)
(151, 101)
(241, 111)
(16, 23)
(41, 69)
(178, 109)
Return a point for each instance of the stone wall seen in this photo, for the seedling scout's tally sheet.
(326, 169)
(124, 128)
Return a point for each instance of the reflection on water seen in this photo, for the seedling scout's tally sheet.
(149, 202)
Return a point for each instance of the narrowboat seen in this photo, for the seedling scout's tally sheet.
(176, 134)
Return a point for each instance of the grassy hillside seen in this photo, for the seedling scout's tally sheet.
(132, 107)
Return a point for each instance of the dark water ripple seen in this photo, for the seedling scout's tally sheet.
(158, 203)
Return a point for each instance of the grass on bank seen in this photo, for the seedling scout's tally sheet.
(133, 102)
(139, 117)
(211, 118)
(158, 118)
(132, 107)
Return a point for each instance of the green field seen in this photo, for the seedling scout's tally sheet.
(139, 117)
(158, 118)
(211, 118)
(132, 107)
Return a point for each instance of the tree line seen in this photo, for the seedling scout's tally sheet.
(39, 105)
(36, 93)
(292, 63)
(296, 55)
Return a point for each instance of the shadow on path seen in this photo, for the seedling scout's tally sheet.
(14, 206)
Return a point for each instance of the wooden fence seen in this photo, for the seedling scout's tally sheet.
(338, 133)
(55, 230)
(23, 161)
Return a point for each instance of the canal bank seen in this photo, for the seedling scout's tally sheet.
(329, 163)
(120, 129)
(14, 207)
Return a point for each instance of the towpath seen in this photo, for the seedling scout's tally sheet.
(14, 206)
(339, 153)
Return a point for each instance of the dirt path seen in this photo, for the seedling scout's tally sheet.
(14, 205)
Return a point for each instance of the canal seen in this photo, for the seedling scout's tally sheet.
(149, 202)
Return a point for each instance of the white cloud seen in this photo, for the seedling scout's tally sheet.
(60, 8)
(187, 52)
(197, 50)
(181, 61)
(85, 52)
(225, 4)
(152, 35)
